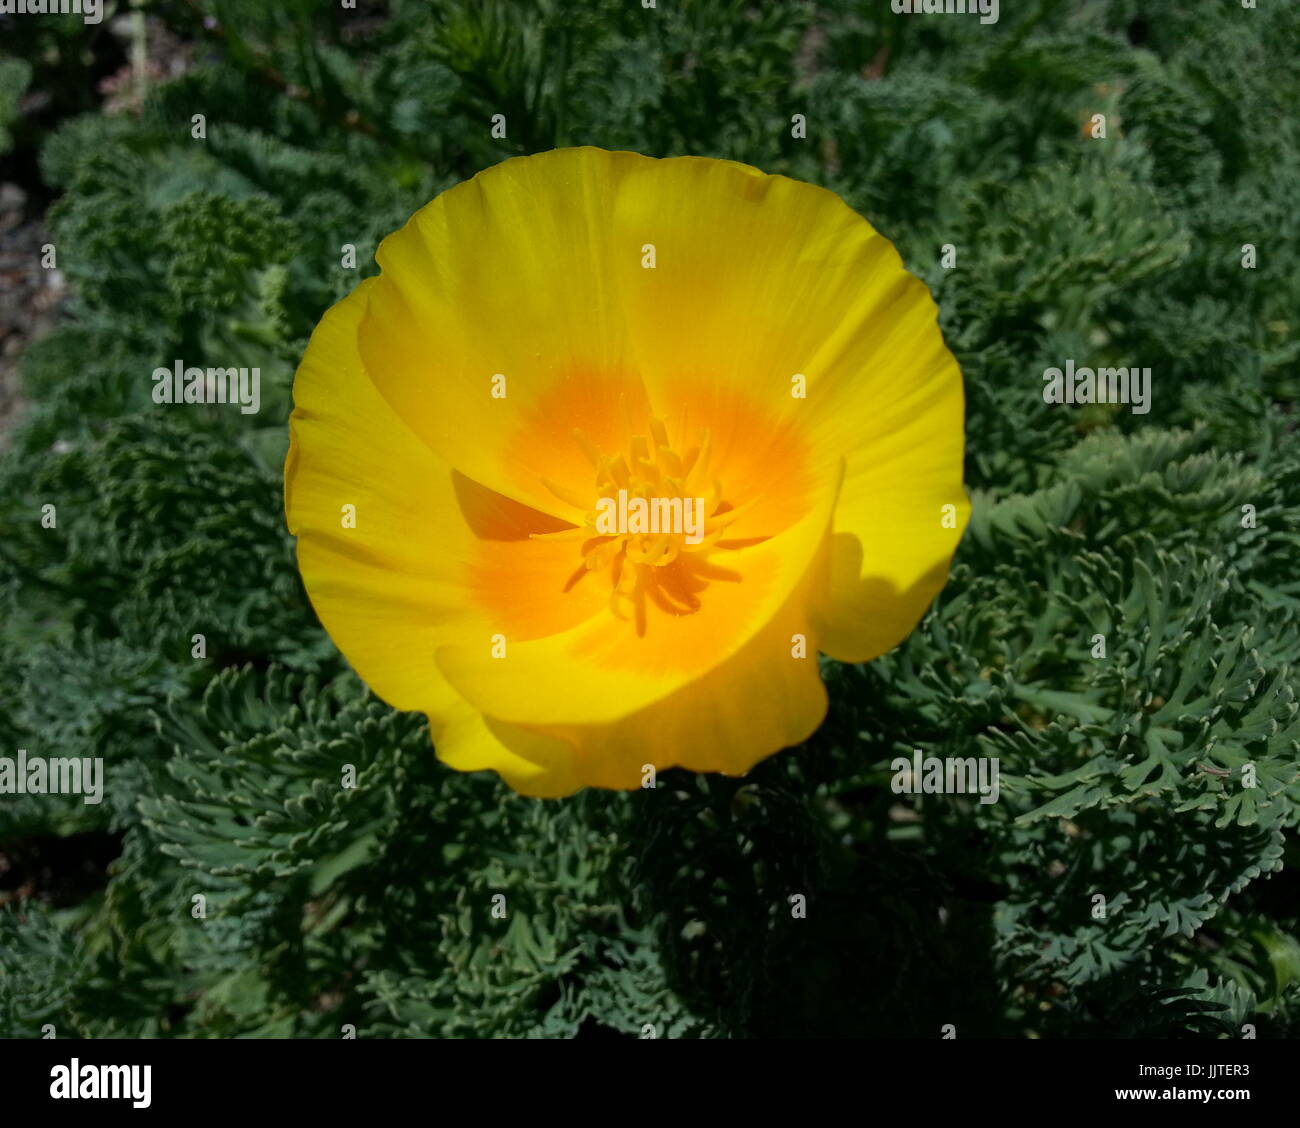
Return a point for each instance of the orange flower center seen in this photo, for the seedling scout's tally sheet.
(657, 518)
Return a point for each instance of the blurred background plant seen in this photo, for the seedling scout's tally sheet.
(1121, 776)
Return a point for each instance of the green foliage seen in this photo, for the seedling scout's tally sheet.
(15, 74)
(1122, 770)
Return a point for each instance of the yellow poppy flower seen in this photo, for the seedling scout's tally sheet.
(557, 353)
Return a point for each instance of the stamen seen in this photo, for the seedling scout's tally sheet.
(654, 565)
(570, 497)
(659, 433)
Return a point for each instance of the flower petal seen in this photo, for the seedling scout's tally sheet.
(508, 275)
(430, 553)
(610, 667)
